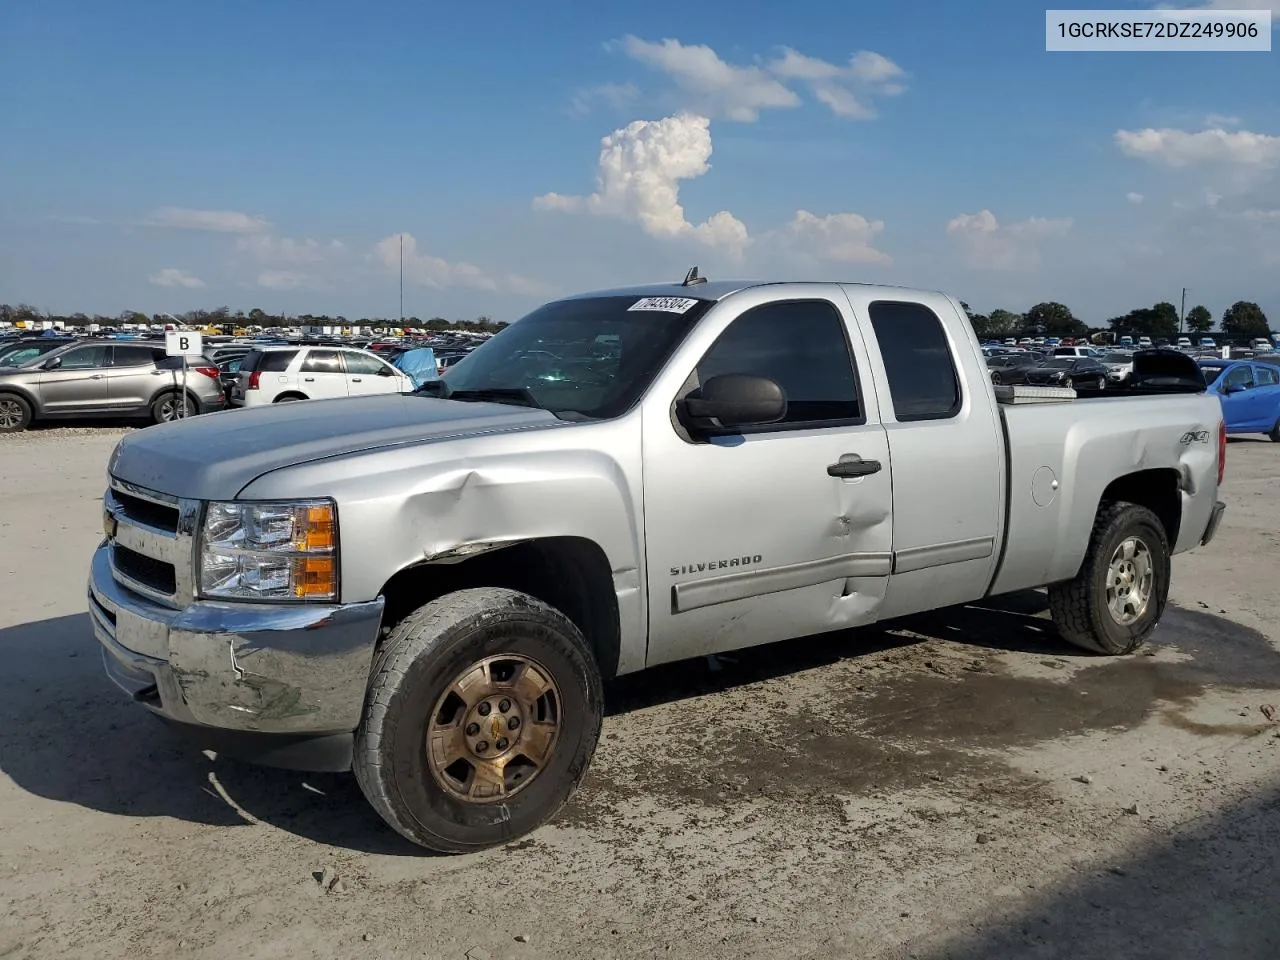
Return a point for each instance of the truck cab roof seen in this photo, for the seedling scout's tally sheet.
(719, 289)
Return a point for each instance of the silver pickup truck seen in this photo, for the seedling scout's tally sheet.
(431, 589)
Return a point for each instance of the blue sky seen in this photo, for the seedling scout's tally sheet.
(164, 156)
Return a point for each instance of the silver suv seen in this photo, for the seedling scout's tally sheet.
(96, 379)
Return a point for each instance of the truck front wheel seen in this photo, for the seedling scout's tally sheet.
(481, 718)
(1116, 600)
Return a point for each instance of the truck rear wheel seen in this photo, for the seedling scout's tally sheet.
(1119, 595)
(481, 718)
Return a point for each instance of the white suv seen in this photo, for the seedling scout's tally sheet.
(278, 374)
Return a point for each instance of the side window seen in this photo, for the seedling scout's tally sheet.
(132, 356)
(917, 359)
(799, 344)
(321, 361)
(1266, 376)
(85, 358)
(361, 364)
(1241, 377)
(275, 361)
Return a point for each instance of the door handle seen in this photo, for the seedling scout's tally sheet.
(356, 380)
(853, 468)
(97, 376)
(309, 379)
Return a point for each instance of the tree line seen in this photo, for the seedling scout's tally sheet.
(1243, 320)
(225, 316)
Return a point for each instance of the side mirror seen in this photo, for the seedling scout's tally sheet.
(53, 363)
(731, 401)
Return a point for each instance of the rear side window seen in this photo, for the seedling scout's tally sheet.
(922, 376)
(800, 345)
(274, 361)
(1266, 376)
(321, 361)
(135, 356)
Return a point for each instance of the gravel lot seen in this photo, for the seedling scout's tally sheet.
(960, 785)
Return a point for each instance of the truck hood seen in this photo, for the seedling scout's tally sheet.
(214, 456)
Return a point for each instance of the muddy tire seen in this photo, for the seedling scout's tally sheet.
(15, 413)
(1119, 595)
(481, 718)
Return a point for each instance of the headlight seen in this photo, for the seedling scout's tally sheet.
(270, 551)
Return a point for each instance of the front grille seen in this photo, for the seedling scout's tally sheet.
(154, 574)
(152, 514)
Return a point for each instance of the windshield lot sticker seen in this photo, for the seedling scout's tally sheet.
(665, 304)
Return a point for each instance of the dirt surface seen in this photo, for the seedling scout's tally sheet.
(961, 785)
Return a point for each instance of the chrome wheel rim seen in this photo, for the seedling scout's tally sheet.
(170, 409)
(1130, 577)
(494, 729)
(10, 414)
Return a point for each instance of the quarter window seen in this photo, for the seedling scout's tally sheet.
(800, 345)
(917, 359)
(273, 361)
(1267, 377)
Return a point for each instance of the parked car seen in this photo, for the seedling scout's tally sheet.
(279, 374)
(1077, 372)
(93, 379)
(1011, 368)
(430, 590)
(1249, 392)
(1119, 365)
(18, 353)
(1079, 350)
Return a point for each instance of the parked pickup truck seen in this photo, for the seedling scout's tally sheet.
(430, 589)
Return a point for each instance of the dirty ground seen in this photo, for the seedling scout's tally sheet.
(960, 785)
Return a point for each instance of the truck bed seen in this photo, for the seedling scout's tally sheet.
(1061, 456)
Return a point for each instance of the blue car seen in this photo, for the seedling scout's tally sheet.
(1249, 393)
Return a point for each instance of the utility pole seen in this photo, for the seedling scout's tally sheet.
(1183, 315)
(402, 281)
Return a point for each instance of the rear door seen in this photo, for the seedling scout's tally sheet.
(133, 378)
(322, 375)
(946, 446)
(1267, 378)
(79, 382)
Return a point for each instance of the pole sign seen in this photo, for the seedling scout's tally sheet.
(179, 343)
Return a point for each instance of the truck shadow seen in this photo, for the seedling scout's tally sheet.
(68, 735)
(1199, 893)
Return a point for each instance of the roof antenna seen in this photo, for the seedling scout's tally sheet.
(692, 277)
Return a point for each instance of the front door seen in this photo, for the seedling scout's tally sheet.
(770, 533)
(78, 382)
(1240, 399)
(367, 375)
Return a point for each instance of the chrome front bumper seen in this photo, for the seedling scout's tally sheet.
(236, 666)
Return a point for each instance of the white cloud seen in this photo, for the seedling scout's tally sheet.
(217, 221)
(837, 237)
(1134, 197)
(173, 277)
(638, 178)
(990, 245)
(1262, 216)
(1182, 148)
(612, 96)
(715, 87)
(425, 270)
(845, 89)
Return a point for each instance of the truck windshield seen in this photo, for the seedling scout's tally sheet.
(581, 359)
